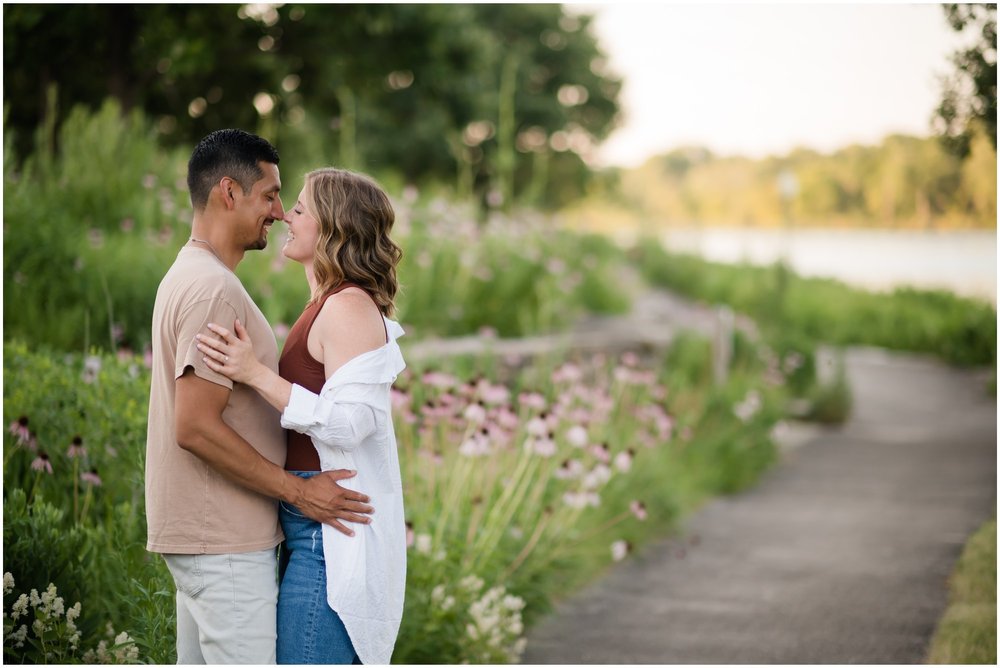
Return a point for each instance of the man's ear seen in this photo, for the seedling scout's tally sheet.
(226, 186)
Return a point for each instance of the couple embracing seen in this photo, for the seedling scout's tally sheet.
(248, 452)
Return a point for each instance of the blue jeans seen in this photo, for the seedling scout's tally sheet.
(309, 631)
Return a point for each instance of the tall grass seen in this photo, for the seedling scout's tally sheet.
(967, 634)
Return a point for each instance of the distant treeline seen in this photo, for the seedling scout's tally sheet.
(905, 182)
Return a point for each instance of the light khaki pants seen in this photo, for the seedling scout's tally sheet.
(226, 607)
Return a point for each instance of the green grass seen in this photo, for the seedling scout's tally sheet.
(959, 330)
(967, 633)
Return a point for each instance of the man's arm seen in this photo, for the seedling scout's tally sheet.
(202, 432)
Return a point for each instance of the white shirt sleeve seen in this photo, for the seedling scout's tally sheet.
(340, 423)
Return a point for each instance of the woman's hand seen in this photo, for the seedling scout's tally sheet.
(231, 354)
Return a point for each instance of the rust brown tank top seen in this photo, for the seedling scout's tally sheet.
(297, 365)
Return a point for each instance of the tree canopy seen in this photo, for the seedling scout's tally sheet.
(970, 94)
(495, 98)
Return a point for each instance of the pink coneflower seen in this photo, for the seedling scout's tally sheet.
(281, 330)
(577, 436)
(409, 534)
(623, 460)
(476, 445)
(399, 399)
(507, 418)
(601, 452)
(439, 379)
(629, 358)
(567, 373)
(638, 509)
(475, 413)
(42, 463)
(91, 477)
(545, 446)
(575, 499)
(532, 400)
(19, 429)
(538, 426)
(494, 395)
(76, 448)
(570, 468)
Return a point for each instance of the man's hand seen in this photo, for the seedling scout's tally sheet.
(325, 501)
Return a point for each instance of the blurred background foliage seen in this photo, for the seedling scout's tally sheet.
(481, 97)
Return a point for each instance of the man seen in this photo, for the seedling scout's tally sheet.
(215, 451)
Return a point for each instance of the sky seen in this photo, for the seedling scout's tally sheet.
(761, 79)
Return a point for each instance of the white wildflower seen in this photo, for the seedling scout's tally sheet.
(91, 368)
(515, 603)
(20, 607)
(8, 583)
(18, 637)
(619, 549)
(423, 543)
(437, 594)
(747, 408)
(471, 583)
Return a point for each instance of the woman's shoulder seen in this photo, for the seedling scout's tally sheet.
(351, 313)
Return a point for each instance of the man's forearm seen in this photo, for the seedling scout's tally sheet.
(219, 446)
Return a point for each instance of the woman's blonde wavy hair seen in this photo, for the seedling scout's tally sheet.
(355, 217)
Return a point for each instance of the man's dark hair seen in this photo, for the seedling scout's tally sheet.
(232, 153)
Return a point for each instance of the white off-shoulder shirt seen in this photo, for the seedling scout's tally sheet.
(350, 423)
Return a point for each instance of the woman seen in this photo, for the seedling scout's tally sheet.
(341, 597)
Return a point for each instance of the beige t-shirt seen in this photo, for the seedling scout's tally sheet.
(190, 507)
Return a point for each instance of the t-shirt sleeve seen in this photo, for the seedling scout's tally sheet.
(193, 321)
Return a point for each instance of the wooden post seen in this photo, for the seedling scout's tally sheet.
(722, 344)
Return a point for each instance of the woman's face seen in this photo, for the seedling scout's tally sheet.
(303, 230)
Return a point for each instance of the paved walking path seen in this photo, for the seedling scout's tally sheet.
(839, 555)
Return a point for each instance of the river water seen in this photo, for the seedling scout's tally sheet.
(964, 262)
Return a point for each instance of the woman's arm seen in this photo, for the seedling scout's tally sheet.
(348, 325)
(232, 355)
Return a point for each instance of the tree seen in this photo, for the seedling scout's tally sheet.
(495, 98)
(969, 95)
